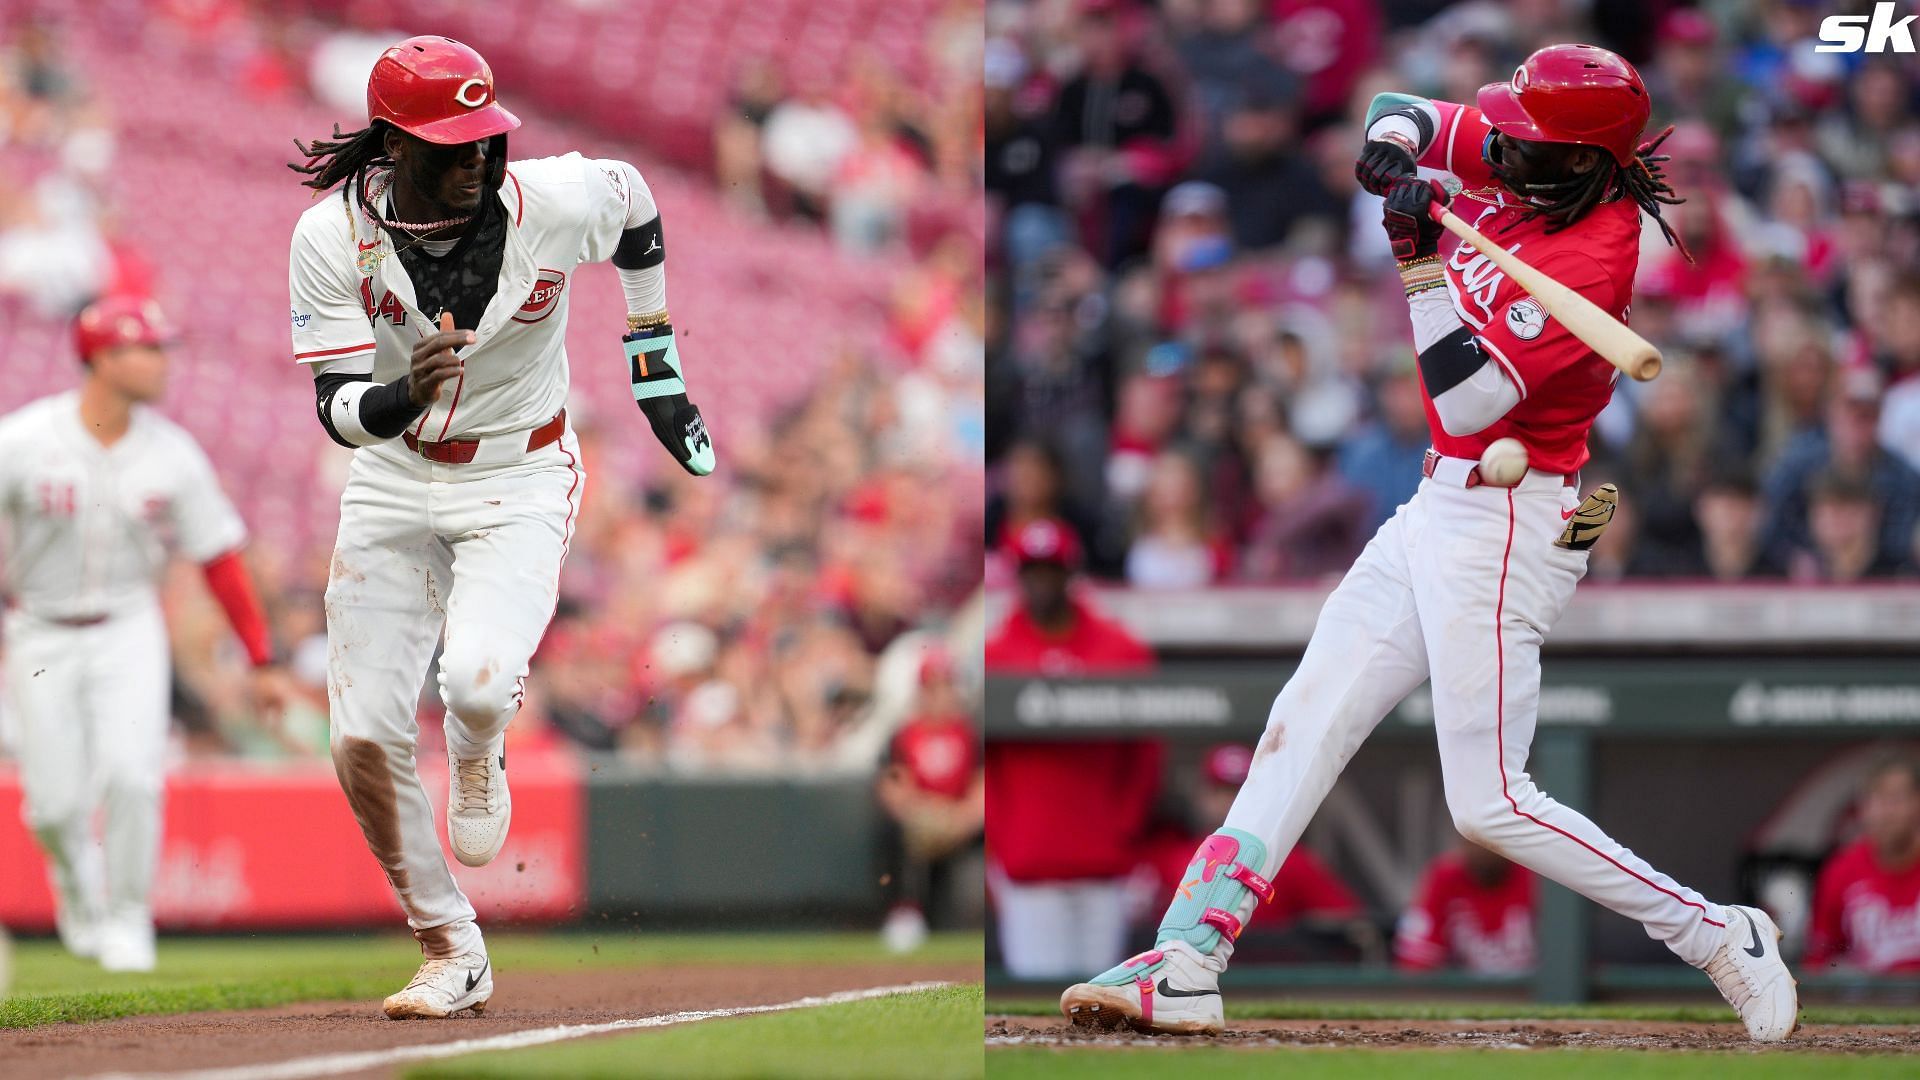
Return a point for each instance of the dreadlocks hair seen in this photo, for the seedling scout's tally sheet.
(1567, 201)
(346, 156)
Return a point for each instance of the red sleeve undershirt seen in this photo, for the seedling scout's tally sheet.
(227, 577)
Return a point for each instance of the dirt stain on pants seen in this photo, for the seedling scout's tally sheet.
(367, 779)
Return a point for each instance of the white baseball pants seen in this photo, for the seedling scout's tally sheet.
(88, 711)
(1058, 929)
(1461, 585)
(474, 550)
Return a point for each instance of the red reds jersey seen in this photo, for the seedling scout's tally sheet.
(1563, 384)
(1865, 915)
(1041, 795)
(940, 753)
(1455, 919)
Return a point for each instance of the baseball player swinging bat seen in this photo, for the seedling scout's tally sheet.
(1460, 587)
(1607, 336)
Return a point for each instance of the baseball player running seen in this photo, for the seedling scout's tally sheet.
(430, 299)
(96, 491)
(1462, 583)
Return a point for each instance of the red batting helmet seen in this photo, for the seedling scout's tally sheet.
(1571, 94)
(119, 320)
(437, 89)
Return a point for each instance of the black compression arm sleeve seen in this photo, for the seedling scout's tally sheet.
(1446, 363)
(385, 411)
(641, 247)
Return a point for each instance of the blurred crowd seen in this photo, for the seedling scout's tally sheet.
(1202, 362)
(870, 155)
(740, 622)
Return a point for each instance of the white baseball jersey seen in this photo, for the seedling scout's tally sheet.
(88, 528)
(351, 299)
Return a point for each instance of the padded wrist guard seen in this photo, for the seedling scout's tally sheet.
(654, 362)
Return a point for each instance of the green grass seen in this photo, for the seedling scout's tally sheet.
(1341, 1064)
(1293, 1009)
(250, 972)
(932, 1034)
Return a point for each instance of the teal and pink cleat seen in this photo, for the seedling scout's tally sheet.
(1174, 988)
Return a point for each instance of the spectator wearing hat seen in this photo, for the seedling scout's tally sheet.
(1688, 79)
(1866, 903)
(933, 792)
(1472, 910)
(1064, 819)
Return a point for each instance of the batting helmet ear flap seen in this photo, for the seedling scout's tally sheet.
(496, 162)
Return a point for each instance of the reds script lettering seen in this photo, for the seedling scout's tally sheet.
(544, 297)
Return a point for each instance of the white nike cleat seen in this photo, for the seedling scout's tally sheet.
(1752, 976)
(444, 987)
(478, 807)
(1167, 990)
(126, 944)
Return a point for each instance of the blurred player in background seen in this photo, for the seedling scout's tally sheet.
(97, 491)
(1061, 905)
(933, 790)
(1866, 905)
(430, 300)
(1473, 910)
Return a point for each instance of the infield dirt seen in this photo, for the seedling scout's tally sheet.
(521, 1001)
(1466, 1034)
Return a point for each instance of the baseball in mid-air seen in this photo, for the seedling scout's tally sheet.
(1503, 463)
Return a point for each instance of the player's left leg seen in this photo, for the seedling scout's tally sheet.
(509, 533)
(126, 706)
(1487, 596)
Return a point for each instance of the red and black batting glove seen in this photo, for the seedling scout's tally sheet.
(1380, 164)
(1410, 225)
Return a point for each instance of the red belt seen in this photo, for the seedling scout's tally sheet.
(1432, 461)
(461, 451)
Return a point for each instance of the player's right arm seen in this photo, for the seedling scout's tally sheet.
(1404, 131)
(333, 334)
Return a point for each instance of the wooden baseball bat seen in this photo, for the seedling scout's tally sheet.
(1613, 340)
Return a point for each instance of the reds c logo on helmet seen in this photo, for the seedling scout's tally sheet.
(439, 90)
(113, 321)
(1571, 94)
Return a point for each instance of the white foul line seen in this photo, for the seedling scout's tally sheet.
(333, 1064)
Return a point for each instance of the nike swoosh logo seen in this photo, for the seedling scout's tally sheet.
(473, 980)
(1566, 515)
(1167, 990)
(503, 763)
(1756, 949)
